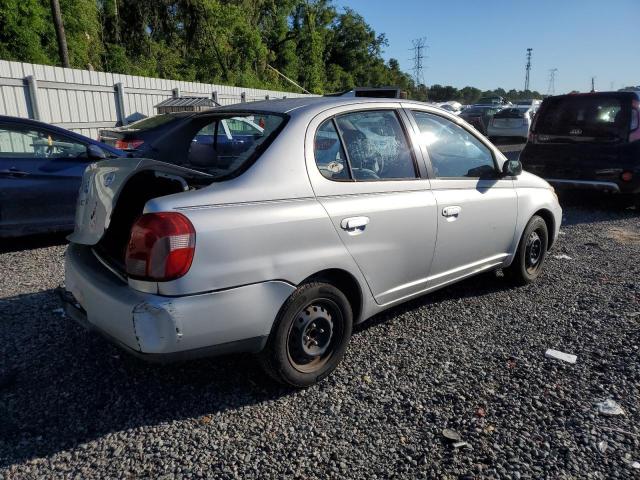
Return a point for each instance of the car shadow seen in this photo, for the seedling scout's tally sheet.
(61, 386)
(476, 286)
(17, 244)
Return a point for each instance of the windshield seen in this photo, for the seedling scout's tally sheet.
(593, 116)
(226, 145)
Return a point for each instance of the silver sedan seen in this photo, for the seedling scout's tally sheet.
(279, 243)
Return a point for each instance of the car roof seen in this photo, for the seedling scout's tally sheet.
(307, 105)
(627, 94)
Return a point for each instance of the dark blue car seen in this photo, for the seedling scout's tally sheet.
(41, 168)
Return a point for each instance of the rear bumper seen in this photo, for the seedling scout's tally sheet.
(161, 328)
(584, 184)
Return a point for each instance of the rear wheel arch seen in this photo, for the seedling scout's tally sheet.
(346, 283)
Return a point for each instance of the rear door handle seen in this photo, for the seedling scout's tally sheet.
(452, 211)
(354, 224)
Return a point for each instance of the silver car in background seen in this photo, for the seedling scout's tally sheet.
(514, 122)
(340, 209)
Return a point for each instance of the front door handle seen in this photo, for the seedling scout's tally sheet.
(354, 224)
(13, 172)
(452, 212)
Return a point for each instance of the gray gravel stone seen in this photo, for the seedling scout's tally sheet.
(79, 408)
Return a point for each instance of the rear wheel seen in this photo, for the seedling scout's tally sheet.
(309, 336)
(531, 254)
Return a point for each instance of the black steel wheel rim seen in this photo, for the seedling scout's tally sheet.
(314, 335)
(534, 252)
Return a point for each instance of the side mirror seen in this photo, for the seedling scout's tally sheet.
(94, 152)
(512, 168)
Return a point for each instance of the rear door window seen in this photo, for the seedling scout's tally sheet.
(17, 142)
(590, 116)
(376, 146)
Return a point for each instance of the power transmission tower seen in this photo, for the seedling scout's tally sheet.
(59, 27)
(419, 44)
(552, 81)
(527, 69)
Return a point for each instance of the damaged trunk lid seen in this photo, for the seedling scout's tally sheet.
(113, 194)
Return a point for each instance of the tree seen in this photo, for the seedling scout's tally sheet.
(60, 36)
(219, 41)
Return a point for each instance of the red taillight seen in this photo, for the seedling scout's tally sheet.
(161, 246)
(128, 144)
(626, 176)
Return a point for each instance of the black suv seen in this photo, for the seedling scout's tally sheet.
(589, 140)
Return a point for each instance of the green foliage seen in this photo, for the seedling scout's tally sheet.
(25, 31)
(218, 41)
(82, 29)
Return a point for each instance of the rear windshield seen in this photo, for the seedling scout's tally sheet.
(224, 146)
(511, 113)
(593, 116)
(480, 111)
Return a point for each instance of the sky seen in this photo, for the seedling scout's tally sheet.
(483, 43)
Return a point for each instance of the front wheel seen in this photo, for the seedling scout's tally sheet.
(309, 336)
(532, 251)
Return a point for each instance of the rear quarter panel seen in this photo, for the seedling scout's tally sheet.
(240, 244)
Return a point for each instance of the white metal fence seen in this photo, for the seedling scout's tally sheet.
(85, 101)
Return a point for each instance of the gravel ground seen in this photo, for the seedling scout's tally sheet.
(469, 358)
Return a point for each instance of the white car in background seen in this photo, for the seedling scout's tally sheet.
(533, 103)
(451, 107)
(511, 122)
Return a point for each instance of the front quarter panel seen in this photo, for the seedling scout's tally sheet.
(534, 195)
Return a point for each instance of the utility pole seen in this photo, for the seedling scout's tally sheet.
(552, 81)
(419, 44)
(62, 39)
(593, 84)
(527, 69)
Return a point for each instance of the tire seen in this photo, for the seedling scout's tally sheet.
(529, 260)
(316, 312)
